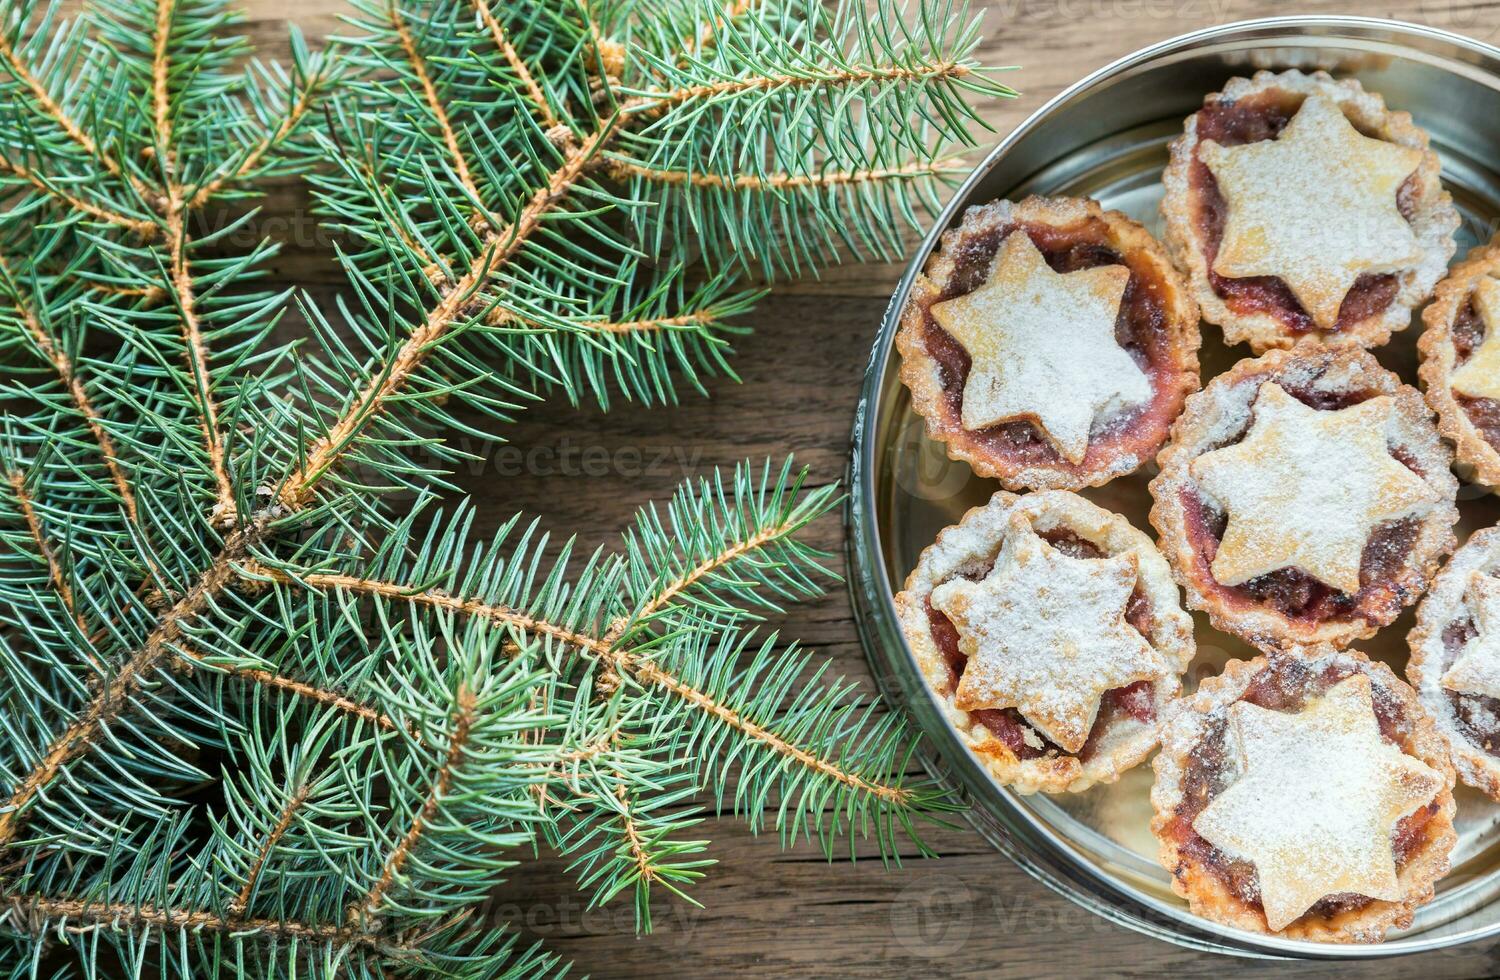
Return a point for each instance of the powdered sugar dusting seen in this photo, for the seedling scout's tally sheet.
(1043, 347)
(1317, 797)
(1306, 488)
(1045, 633)
(1315, 207)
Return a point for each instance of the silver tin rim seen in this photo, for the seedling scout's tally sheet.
(1015, 831)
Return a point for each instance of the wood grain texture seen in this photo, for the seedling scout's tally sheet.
(769, 912)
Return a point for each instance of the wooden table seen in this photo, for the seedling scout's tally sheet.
(770, 913)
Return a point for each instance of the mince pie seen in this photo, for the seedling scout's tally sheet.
(1049, 343)
(1455, 659)
(1050, 631)
(1303, 209)
(1460, 351)
(1305, 497)
(1304, 795)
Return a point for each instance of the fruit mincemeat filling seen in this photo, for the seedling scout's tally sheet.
(1476, 716)
(1254, 118)
(1468, 334)
(1285, 684)
(1136, 700)
(1291, 592)
(1141, 329)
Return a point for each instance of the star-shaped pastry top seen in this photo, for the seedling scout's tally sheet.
(1317, 795)
(1315, 207)
(1043, 348)
(1476, 669)
(1306, 488)
(1045, 633)
(1479, 376)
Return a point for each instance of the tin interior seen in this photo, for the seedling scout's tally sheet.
(1106, 138)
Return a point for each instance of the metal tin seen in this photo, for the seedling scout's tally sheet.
(1106, 138)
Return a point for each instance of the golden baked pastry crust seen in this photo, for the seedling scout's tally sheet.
(1439, 359)
(1429, 212)
(968, 550)
(1443, 607)
(1220, 416)
(1113, 450)
(1208, 890)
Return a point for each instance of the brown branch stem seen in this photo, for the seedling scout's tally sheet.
(657, 100)
(161, 96)
(63, 366)
(365, 911)
(189, 658)
(436, 107)
(625, 170)
(145, 229)
(267, 143)
(33, 912)
(197, 356)
(43, 546)
(523, 74)
(116, 690)
(626, 662)
(501, 247)
(283, 824)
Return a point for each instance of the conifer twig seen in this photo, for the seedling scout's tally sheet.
(264, 145)
(623, 661)
(114, 694)
(89, 915)
(63, 366)
(364, 912)
(50, 107)
(436, 107)
(294, 803)
(180, 271)
(145, 229)
(43, 547)
(508, 52)
(921, 170)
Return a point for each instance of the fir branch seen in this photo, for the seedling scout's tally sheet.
(197, 354)
(773, 182)
(363, 913)
(311, 693)
(714, 28)
(624, 662)
(82, 729)
(655, 100)
(139, 226)
(436, 106)
(175, 229)
(241, 900)
(48, 347)
(395, 373)
(43, 547)
(317, 83)
(51, 109)
(37, 913)
(513, 59)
